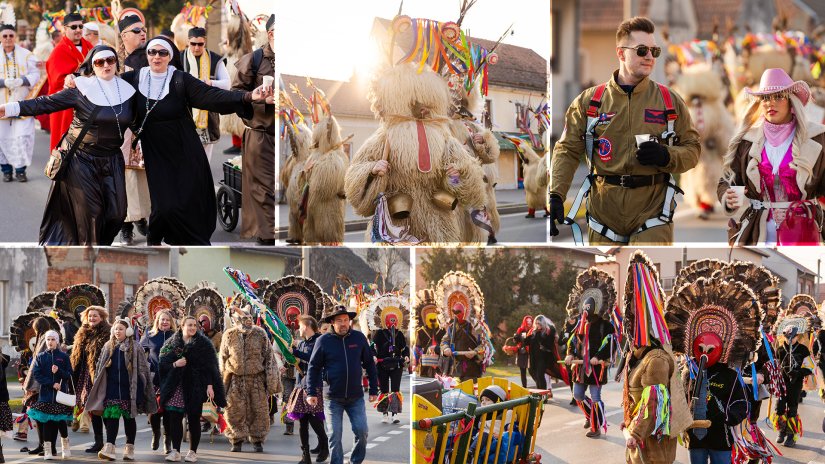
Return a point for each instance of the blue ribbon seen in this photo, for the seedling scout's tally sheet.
(754, 385)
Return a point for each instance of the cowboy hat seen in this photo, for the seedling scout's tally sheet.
(337, 311)
(775, 80)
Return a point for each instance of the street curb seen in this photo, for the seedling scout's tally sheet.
(362, 224)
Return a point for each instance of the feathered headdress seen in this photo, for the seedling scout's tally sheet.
(388, 303)
(206, 301)
(160, 294)
(425, 304)
(22, 334)
(458, 289)
(293, 296)
(764, 285)
(74, 299)
(700, 268)
(596, 288)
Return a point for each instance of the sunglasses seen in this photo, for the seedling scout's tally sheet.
(197, 44)
(108, 60)
(774, 97)
(641, 50)
(7, 36)
(164, 53)
(136, 30)
(75, 27)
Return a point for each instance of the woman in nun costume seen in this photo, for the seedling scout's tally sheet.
(180, 181)
(88, 204)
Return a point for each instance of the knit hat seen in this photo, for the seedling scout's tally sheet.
(494, 393)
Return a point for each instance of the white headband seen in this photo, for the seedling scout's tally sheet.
(160, 42)
(102, 54)
(52, 333)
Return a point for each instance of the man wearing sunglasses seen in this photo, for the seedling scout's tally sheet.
(258, 219)
(19, 73)
(210, 68)
(64, 60)
(630, 187)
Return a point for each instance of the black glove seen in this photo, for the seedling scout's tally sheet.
(652, 154)
(556, 213)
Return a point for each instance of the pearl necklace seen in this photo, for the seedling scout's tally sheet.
(118, 112)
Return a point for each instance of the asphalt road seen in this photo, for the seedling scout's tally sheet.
(560, 438)
(387, 443)
(22, 205)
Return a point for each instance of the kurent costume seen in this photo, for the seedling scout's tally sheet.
(209, 66)
(206, 304)
(18, 77)
(628, 202)
(299, 137)
(247, 364)
(415, 200)
(467, 336)
(163, 293)
(536, 177)
(715, 323)
(592, 302)
(800, 319)
(428, 335)
(292, 297)
(259, 157)
(64, 60)
(655, 406)
(388, 317)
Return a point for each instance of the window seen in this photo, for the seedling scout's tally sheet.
(128, 290)
(29, 290)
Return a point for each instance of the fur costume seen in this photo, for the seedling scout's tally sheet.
(324, 177)
(536, 178)
(701, 87)
(88, 345)
(300, 141)
(405, 101)
(139, 376)
(250, 375)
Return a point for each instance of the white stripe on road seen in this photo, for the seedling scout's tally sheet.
(395, 432)
(382, 438)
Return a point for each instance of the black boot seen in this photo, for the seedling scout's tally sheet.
(290, 428)
(97, 446)
(258, 446)
(306, 458)
(127, 234)
(317, 449)
(8, 177)
(143, 227)
(155, 441)
(323, 453)
(21, 177)
(236, 446)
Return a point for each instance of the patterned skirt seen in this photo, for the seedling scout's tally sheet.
(84, 384)
(50, 412)
(115, 409)
(175, 403)
(6, 421)
(297, 405)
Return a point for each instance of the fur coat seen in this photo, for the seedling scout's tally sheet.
(299, 141)
(324, 173)
(139, 377)
(88, 344)
(249, 352)
(536, 179)
(200, 371)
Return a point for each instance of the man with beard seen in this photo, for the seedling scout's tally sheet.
(461, 337)
(64, 60)
(250, 376)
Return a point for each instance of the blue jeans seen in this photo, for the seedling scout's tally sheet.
(579, 392)
(701, 456)
(7, 168)
(357, 412)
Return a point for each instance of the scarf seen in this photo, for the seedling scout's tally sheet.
(202, 73)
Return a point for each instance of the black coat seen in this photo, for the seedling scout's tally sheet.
(599, 330)
(390, 351)
(544, 353)
(4, 389)
(727, 406)
(201, 370)
(152, 344)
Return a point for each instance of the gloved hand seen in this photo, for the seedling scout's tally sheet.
(556, 213)
(12, 84)
(652, 154)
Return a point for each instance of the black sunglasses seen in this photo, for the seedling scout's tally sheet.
(197, 44)
(7, 36)
(164, 53)
(641, 50)
(136, 30)
(108, 60)
(75, 27)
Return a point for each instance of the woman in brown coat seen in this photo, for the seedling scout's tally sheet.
(88, 343)
(777, 156)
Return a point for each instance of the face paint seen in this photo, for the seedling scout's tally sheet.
(710, 345)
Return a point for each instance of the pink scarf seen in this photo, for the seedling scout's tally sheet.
(776, 134)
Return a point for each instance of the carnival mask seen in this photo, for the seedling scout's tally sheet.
(458, 312)
(292, 314)
(707, 344)
(432, 321)
(391, 321)
(205, 323)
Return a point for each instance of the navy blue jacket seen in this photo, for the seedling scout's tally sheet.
(343, 358)
(42, 372)
(304, 352)
(151, 346)
(117, 377)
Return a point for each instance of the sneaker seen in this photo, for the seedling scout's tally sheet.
(385, 419)
(21, 177)
(191, 456)
(143, 227)
(129, 452)
(593, 433)
(107, 453)
(7, 177)
(586, 424)
(173, 456)
(395, 420)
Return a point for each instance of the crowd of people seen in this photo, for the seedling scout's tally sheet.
(696, 366)
(86, 369)
(132, 126)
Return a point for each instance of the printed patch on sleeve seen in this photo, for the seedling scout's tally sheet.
(655, 116)
(605, 118)
(605, 149)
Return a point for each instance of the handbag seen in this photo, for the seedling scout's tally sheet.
(67, 399)
(59, 159)
(800, 226)
(209, 411)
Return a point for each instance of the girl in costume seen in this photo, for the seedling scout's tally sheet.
(523, 351)
(122, 389)
(163, 328)
(541, 344)
(298, 409)
(88, 344)
(776, 154)
(53, 371)
(189, 376)
(32, 388)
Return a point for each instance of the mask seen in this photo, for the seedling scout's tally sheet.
(292, 314)
(391, 321)
(458, 312)
(432, 321)
(205, 323)
(708, 344)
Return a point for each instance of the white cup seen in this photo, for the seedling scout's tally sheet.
(269, 81)
(642, 138)
(739, 190)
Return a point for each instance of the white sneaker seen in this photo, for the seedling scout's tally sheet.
(173, 456)
(191, 456)
(395, 420)
(65, 451)
(385, 418)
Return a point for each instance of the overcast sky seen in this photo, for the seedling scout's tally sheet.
(326, 38)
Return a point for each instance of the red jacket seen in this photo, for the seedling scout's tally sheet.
(64, 60)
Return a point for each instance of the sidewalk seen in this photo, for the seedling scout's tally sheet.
(508, 201)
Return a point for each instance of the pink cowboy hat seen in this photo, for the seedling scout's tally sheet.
(776, 80)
